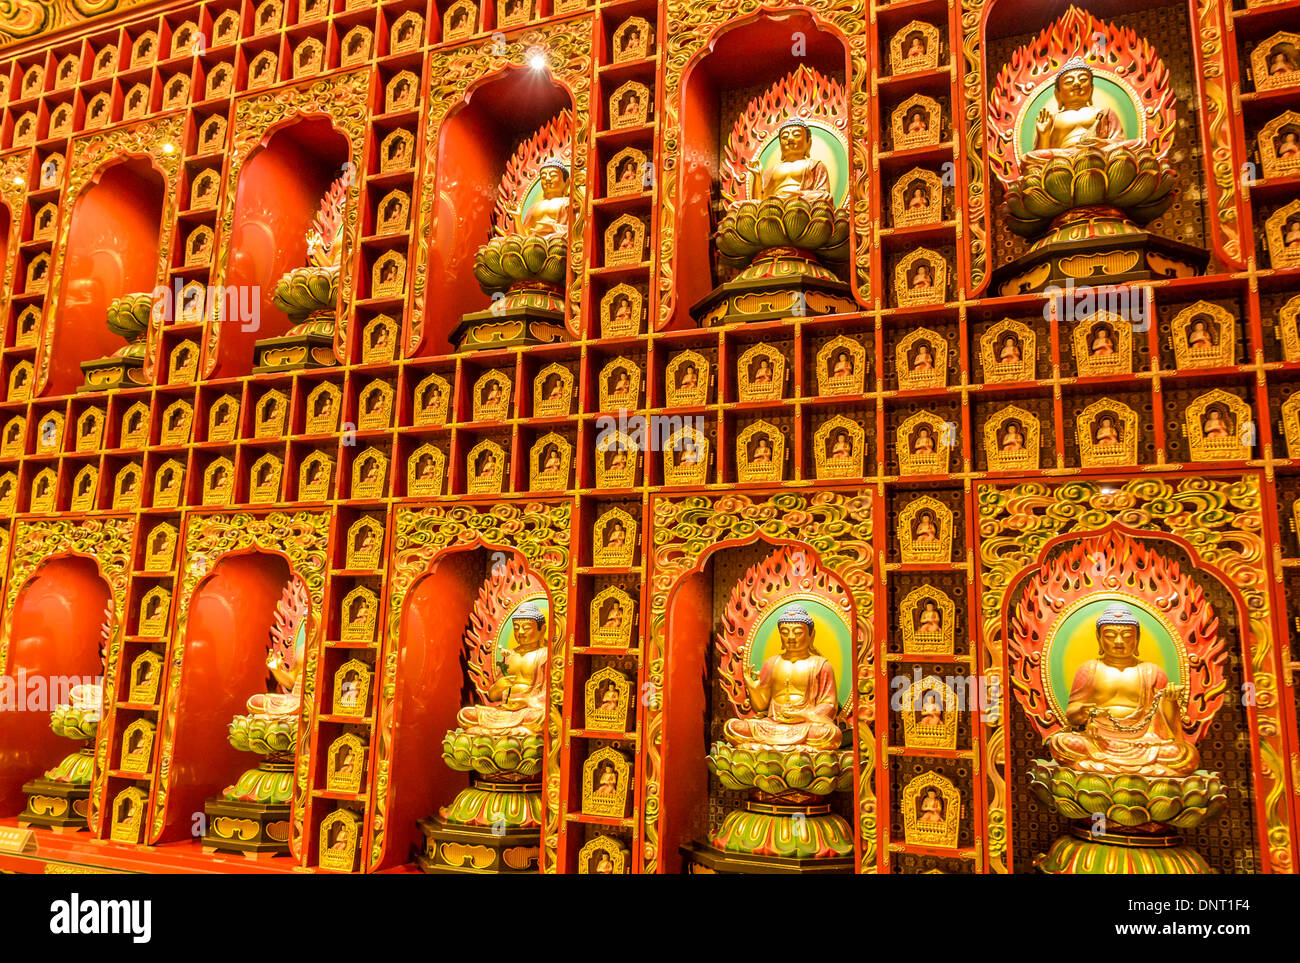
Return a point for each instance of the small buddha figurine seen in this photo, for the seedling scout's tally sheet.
(616, 537)
(604, 865)
(1279, 63)
(427, 472)
(518, 694)
(622, 309)
(797, 174)
(843, 367)
(622, 383)
(493, 396)
(1013, 439)
(552, 459)
(915, 47)
(1124, 713)
(1106, 433)
(690, 378)
(1010, 352)
(931, 711)
(842, 448)
(1076, 122)
(613, 620)
(1214, 425)
(487, 465)
(794, 693)
(923, 360)
(1292, 237)
(921, 279)
(1198, 336)
(930, 620)
(617, 460)
(924, 444)
(1102, 344)
(925, 528)
(919, 200)
(1289, 146)
(763, 374)
(607, 780)
(609, 698)
(548, 216)
(556, 392)
(690, 453)
(932, 806)
(917, 123)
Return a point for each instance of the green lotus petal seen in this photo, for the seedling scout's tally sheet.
(797, 216)
(771, 230)
(1090, 187)
(1120, 171)
(1040, 203)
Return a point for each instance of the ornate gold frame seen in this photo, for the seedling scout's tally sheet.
(610, 326)
(1279, 253)
(357, 556)
(937, 293)
(358, 615)
(747, 389)
(1092, 455)
(634, 255)
(85, 488)
(45, 488)
(341, 855)
(356, 703)
(324, 422)
(219, 483)
(916, 642)
(492, 411)
(617, 556)
(605, 804)
(937, 376)
(1220, 354)
(615, 186)
(425, 487)
(128, 815)
(1271, 160)
(944, 835)
(616, 851)
(830, 384)
(394, 284)
(467, 28)
(542, 479)
(127, 485)
(375, 406)
(396, 151)
(493, 483)
(678, 473)
(155, 611)
(621, 51)
(160, 548)
(608, 476)
(1118, 362)
(267, 424)
(169, 484)
(177, 423)
(137, 759)
(436, 414)
(901, 138)
(900, 63)
(361, 466)
(320, 489)
(354, 48)
(748, 470)
(1259, 62)
(1027, 458)
(826, 465)
(143, 687)
(54, 434)
(639, 116)
(15, 437)
(609, 400)
(352, 780)
(543, 405)
(934, 462)
(1230, 448)
(902, 214)
(934, 551)
(679, 397)
(595, 716)
(996, 370)
(397, 221)
(918, 736)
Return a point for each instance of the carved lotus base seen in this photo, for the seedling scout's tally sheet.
(60, 806)
(485, 804)
(73, 723)
(785, 774)
(255, 830)
(309, 344)
(780, 283)
(270, 784)
(265, 735)
(1129, 802)
(1098, 250)
(1082, 853)
(476, 850)
(499, 759)
(76, 768)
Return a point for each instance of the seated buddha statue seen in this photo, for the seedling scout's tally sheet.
(1010, 350)
(1106, 433)
(930, 621)
(287, 672)
(1076, 122)
(1125, 714)
(794, 693)
(1199, 336)
(797, 174)
(1215, 426)
(842, 449)
(548, 216)
(518, 694)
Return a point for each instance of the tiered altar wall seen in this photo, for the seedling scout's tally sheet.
(316, 419)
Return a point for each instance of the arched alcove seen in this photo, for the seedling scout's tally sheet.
(695, 704)
(744, 59)
(224, 663)
(112, 250)
(433, 685)
(277, 197)
(54, 643)
(475, 141)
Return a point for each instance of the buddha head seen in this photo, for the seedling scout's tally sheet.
(1074, 84)
(1118, 635)
(796, 628)
(795, 139)
(554, 177)
(529, 626)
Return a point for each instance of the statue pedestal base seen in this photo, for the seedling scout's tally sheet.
(453, 848)
(112, 372)
(1090, 254)
(699, 858)
(509, 325)
(60, 806)
(1082, 853)
(776, 286)
(255, 830)
(293, 352)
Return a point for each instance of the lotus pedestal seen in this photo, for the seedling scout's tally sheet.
(115, 371)
(524, 315)
(780, 283)
(1125, 823)
(308, 345)
(61, 804)
(256, 825)
(787, 825)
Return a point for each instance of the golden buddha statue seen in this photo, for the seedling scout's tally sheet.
(796, 691)
(797, 173)
(520, 691)
(1076, 122)
(548, 216)
(1126, 713)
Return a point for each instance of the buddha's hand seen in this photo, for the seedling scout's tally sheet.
(1103, 124)
(1043, 123)
(273, 661)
